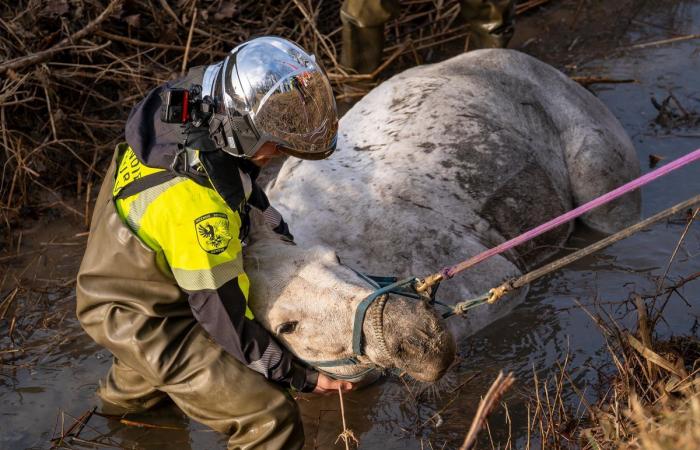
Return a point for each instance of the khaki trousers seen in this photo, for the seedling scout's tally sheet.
(213, 388)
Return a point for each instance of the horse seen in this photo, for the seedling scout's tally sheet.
(436, 164)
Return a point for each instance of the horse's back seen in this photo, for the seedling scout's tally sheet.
(443, 161)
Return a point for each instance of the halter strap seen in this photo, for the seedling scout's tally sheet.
(364, 305)
(382, 286)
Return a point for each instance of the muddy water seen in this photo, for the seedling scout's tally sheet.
(537, 335)
(57, 370)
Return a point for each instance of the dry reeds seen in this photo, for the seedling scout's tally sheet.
(653, 392)
(648, 393)
(498, 388)
(651, 400)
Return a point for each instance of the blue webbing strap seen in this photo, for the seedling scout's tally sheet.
(464, 306)
(381, 281)
(382, 285)
(368, 278)
(349, 361)
(352, 376)
(364, 305)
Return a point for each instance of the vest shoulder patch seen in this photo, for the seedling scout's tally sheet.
(213, 233)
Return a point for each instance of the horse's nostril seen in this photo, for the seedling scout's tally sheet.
(423, 334)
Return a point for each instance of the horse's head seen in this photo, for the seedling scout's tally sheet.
(308, 300)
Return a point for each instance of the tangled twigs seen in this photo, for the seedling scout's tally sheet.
(499, 387)
(137, 43)
(673, 115)
(654, 357)
(65, 94)
(648, 394)
(74, 430)
(35, 58)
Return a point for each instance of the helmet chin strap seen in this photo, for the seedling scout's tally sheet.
(234, 135)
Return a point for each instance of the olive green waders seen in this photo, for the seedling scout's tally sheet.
(128, 302)
(490, 23)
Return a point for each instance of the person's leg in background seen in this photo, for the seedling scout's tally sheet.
(490, 21)
(363, 32)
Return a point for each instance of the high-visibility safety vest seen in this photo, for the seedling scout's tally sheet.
(192, 225)
(190, 219)
(165, 249)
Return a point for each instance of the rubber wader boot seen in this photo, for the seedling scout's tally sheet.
(363, 32)
(128, 302)
(362, 48)
(490, 22)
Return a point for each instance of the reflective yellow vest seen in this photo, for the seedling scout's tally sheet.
(198, 233)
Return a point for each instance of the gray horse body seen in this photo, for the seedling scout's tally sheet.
(444, 161)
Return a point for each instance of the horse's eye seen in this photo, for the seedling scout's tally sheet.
(287, 327)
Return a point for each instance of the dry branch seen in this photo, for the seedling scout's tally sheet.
(35, 58)
(526, 6)
(654, 357)
(587, 81)
(64, 94)
(347, 434)
(486, 405)
(665, 41)
(137, 43)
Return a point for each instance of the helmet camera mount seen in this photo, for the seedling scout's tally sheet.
(233, 135)
(186, 106)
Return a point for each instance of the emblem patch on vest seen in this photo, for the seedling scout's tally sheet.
(213, 232)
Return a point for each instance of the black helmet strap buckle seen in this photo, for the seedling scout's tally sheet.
(234, 133)
(217, 130)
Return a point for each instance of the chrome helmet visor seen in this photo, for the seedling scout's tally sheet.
(285, 95)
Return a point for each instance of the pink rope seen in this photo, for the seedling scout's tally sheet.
(449, 272)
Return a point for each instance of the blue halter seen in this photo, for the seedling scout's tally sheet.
(382, 286)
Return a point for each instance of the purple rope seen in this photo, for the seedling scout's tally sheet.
(449, 272)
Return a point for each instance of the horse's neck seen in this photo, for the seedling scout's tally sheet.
(270, 260)
(271, 255)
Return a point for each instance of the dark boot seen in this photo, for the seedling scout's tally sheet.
(491, 22)
(363, 32)
(362, 47)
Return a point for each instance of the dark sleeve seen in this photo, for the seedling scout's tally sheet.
(258, 199)
(222, 314)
